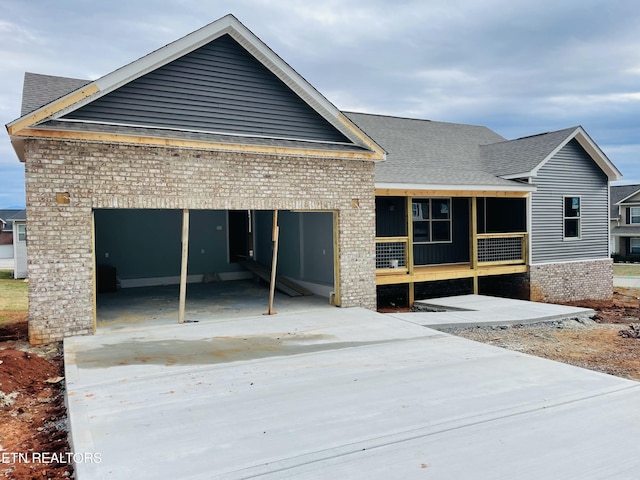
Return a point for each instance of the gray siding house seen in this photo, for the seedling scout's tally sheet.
(625, 220)
(179, 167)
(462, 209)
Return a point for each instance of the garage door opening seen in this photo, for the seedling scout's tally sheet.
(138, 254)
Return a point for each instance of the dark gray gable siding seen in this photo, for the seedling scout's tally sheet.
(219, 87)
(571, 172)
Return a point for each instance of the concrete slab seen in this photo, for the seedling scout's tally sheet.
(473, 310)
(342, 394)
(134, 308)
(628, 282)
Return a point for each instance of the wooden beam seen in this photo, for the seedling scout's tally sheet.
(195, 144)
(443, 272)
(336, 259)
(183, 269)
(274, 262)
(410, 235)
(391, 192)
(412, 294)
(95, 267)
(53, 108)
(362, 136)
(474, 242)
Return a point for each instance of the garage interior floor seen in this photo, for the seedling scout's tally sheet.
(146, 306)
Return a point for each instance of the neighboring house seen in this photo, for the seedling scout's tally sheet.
(20, 246)
(6, 230)
(625, 220)
(198, 144)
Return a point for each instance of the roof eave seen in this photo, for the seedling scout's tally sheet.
(596, 154)
(444, 187)
(628, 197)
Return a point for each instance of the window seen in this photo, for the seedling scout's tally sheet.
(22, 232)
(634, 245)
(635, 215)
(572, 217)
(431, 220)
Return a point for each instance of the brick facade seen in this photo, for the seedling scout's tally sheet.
(572, 281)
(100, 175)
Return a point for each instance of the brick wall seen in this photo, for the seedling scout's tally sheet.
(97, 175)
(565, 282)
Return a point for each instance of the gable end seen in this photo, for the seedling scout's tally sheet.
(221, 88)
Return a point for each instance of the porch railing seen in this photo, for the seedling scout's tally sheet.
(392, 253)
(502, 248)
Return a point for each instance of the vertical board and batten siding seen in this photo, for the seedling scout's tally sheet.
(571, 172)
(220, 87)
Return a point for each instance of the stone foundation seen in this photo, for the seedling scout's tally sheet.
(572, 281)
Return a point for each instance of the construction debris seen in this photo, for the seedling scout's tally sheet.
(632, 332)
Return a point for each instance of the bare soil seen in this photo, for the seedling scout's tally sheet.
(33, 416)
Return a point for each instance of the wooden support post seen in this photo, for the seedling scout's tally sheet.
(183, 269)
(474, 242)
(410, 235)
(274, 262)
(335, 301)
(95, 272)
(409, 247)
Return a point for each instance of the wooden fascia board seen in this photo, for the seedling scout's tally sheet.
(363, 137)
(393, 192)
(195, 144)
(52, 108)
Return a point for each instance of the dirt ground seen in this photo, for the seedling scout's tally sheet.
(33, 414)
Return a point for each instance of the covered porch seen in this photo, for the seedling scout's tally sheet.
(436, 235)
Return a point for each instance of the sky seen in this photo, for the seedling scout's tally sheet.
(519, 67)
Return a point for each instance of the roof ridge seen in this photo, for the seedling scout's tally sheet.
(398, 117)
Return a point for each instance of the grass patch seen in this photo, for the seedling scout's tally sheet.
(13, 298)
(626, 270)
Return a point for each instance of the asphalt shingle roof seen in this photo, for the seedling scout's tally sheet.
(9, 215)
(620, 192)
(427, 152)
(39, 90)
(521, 155)
(418, 151)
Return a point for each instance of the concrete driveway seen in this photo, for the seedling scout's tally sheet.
(339, 393)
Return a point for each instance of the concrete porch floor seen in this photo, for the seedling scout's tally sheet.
(338, 393)
(471, 310)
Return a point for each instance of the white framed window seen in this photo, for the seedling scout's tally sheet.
(572, 216)
(634, 245)
(431, 220)
(22, 232)
(634, 215)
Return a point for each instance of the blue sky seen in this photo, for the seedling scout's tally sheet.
(519, 67)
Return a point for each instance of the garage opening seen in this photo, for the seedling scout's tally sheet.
(139, 260)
